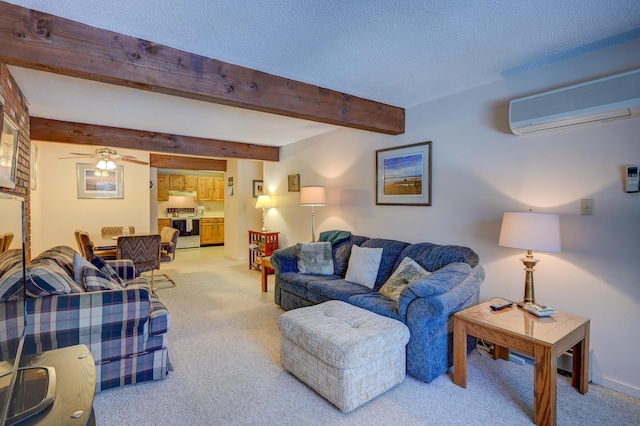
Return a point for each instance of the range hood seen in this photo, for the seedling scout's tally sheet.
(182, 193)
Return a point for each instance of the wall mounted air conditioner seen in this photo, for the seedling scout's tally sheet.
(605, 99)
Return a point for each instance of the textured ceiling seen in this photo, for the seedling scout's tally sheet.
(398, 52)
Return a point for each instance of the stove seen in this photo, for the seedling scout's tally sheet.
(185, 220)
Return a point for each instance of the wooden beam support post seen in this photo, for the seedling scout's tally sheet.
(44, 42)
(91, 134)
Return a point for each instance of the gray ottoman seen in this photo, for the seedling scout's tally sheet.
(347, 354)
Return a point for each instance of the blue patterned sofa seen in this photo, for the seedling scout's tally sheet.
(122, 323)
(426, 305)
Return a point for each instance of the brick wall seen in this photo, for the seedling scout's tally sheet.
(13, 103)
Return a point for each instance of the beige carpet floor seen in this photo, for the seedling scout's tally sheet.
(225, 347)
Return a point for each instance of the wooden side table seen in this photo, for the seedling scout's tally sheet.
(543, 338)
(261, 244)
(266, 265)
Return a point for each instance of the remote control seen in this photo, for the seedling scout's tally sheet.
(540, 310)
(500, 305)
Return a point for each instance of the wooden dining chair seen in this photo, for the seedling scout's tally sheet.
(143, 250)
(85, 245)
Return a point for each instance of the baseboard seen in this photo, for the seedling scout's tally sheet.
(617, 386)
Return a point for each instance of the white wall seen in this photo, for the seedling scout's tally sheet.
(481, 170)
(240, 214)
(56, 211)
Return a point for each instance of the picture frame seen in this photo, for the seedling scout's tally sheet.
(258, 188)
(93, 185)
(293, 183)
(403, 175)
(8, 151)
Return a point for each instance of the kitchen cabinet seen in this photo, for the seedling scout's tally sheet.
(190, 182)
(163, 187)
(218, 188)
(205, 188)
(176, 182)
(211, 231)
(163, 223)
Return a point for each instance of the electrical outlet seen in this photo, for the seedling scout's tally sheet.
(586, 207)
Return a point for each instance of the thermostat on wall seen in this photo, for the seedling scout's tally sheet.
(632, 179)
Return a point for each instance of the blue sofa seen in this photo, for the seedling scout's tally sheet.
(426, 306)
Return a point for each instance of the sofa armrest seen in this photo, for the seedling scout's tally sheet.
(285, 260)
(453, 278)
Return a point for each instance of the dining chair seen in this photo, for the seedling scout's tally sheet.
(143, 250)
(168, 242)
(112, 231)
(86, 247)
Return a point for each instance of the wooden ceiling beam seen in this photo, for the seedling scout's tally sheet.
(44, 42)
(90, 134)
(186, 163)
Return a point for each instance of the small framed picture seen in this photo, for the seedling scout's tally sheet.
(257, 188)
(293, 183)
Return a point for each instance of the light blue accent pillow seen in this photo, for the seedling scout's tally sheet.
(364, 263)
(315, 258)
(407, 272)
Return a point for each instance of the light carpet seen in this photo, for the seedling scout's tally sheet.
(225, 347)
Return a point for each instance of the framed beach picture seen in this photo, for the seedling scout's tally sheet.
(403, 175)
(97, 183)
(8, 151)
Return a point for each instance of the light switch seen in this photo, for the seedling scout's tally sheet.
(586, 207)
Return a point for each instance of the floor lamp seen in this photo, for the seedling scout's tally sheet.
(530, 231)
(312, 196)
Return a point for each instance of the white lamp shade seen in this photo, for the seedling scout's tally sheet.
(264, 202)
(312, 196)
(531, 231)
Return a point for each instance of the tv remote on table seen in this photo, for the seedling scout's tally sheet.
(500, 305)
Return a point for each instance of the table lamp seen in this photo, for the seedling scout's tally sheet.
(264, 203)
(530, 231)
(312, 196)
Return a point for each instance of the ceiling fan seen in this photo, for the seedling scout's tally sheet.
(106, 158)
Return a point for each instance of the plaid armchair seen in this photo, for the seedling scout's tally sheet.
(112, 312)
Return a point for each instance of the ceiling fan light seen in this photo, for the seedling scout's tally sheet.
(110, 165)
(102, 165)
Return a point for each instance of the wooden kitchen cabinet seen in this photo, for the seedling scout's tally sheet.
(162, 223)
(176, 182)
(190, 182)
(218, 188)
(163, 187)
(205, 188)
(211, 231)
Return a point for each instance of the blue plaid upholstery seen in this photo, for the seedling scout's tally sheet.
(124, 328)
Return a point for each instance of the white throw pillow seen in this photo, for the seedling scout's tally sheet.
(363, 267)
(407, 272)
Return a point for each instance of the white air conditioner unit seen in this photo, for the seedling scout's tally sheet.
(605, 99)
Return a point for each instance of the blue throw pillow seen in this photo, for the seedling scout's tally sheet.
(105, 268)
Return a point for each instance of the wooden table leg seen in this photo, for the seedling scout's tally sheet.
(500, 352)
(459, 352)
(545, 386)
(265, 274)
(580, 373)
